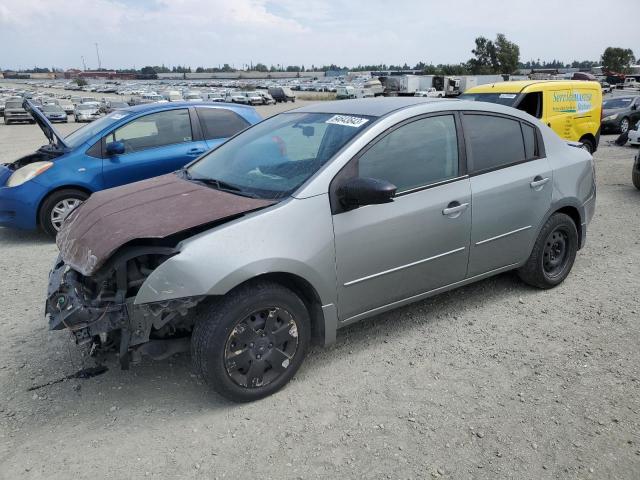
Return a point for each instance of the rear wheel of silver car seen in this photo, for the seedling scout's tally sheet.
(624, 125)
(57, 207)
(553, 253)
(250, 343)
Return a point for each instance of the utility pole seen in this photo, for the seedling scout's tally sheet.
(84, 65)
(98, 55)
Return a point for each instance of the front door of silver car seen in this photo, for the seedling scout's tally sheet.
(511, 183)
(419, 242)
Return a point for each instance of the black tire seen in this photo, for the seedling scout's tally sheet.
(588, 145)
(49, 203)
(558, 238)
(624, 125)
(221, 324)
(635, 176)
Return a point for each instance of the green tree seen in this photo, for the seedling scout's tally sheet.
(617, 59)
(81, 82)
(507, 54)
(499, 56)
(260, 67)
(485, 59)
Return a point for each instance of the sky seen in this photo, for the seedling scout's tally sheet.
(300, 32)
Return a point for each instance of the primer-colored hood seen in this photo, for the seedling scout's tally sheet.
(150, 209)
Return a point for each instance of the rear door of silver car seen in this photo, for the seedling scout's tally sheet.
(511, 184)
(419, 241)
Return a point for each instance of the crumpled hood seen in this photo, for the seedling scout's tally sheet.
(154, 208)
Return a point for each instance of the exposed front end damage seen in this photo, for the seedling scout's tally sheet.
(100, 309)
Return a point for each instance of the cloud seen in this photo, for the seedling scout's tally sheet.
(212, 32)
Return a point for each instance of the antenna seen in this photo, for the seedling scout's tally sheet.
(84, 65)
(98, 54)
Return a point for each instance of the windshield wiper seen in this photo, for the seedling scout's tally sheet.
(219, 185)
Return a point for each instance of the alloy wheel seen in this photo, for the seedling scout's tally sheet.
(61, 210)
(624, 125)
(261, 347)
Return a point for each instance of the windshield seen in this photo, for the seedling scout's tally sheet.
(617, 103)
(13, 104)
(272, 159)
(51, 108)
(507, 99)
(91, 129)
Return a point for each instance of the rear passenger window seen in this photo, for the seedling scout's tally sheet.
(220, 123)
(529, 134)
(414, 155)
(492, 142)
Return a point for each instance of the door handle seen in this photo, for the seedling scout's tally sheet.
(455, 209)
(538, 182)
(195, 151)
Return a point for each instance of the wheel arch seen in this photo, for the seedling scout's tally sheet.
(591, 138)
(84, 189)
(307, 293)
(573, 212)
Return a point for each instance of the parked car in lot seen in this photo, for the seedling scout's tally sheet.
(635, 173)
(14, 112)
(87, 112)
(111, 106)
(572, 108)
(619, 113)
(266, 98)
(282, 94)
(315, 219)
(66, 105)
(125, 146)
(54, 113)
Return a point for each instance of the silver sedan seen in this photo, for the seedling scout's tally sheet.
(315, 219)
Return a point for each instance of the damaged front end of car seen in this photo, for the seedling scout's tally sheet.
(100, 309)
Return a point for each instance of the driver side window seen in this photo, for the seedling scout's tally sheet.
(154, 130)
(414, 155)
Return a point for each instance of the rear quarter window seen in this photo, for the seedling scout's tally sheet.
(220, 123)
(493, 141)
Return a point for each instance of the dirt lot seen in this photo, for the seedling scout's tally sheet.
(495, 380)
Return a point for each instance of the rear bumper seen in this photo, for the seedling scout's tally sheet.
(588, 211)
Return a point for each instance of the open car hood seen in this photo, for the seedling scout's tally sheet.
(150, 209)
(45, 125)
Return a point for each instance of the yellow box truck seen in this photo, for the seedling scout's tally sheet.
(572, 108)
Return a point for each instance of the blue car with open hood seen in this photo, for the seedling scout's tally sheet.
(127, 145)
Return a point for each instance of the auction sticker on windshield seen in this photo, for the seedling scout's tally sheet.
(347, 121)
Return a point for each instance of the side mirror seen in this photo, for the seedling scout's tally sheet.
(358, 192)
(634, 107)
(115, 148)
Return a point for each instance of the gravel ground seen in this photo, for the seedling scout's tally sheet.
(494, 380)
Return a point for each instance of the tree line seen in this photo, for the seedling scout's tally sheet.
(498, 56)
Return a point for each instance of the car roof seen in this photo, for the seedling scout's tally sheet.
(520, 85)
(150, 107)
(373, 107)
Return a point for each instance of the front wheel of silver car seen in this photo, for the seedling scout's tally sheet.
(250, 343)
(57, 207)
(553, 253)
